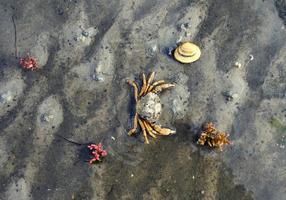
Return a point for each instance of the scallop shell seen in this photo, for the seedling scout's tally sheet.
(187, 52)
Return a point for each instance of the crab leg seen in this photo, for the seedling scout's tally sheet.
(159, 88)
(143, 130)
(155, 84)
(149, 124)
(143, 86)
(133, 83)
(162, 131)
(135, 124)
(149, 129)
(149, 81)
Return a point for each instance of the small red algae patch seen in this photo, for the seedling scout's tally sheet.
(97, 152)
(28, 63)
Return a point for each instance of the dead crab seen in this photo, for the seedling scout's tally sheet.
(148, 107)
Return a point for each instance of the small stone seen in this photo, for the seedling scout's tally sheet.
(132, 175)
(251, 57)
(6, 97)
(60, 11)
(188, 34)
(185, 26)
(82, 38)
(238, 64)
(202, 192)
(230, 95)
(46, 118)
(170, 51)
(98, 77)
(93, 76)
(85, 33)
(179, 39)
(151, 50)
(193, 177)
(234, 96)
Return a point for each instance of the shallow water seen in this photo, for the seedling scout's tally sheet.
(86, 51)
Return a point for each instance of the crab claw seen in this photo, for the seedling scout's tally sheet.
(161, 87)
(162, 131)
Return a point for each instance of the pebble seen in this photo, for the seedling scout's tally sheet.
(151, 51)
(230, 95)
(235, 96)
(238, 64)
(251, 57)
(60, 11)
(188, 34)
(185, 26)
(82, 38)
(179, 39)
(6, 97)
(85, 33)
(98, 77)
(46, 118)
(170, 51)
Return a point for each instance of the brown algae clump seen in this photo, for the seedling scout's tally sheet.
(213, 137)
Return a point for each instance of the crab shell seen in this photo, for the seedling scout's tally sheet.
(149, 107)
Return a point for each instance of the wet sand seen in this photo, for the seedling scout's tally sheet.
(86, 51)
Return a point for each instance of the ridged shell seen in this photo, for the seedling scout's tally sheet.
(187, 53)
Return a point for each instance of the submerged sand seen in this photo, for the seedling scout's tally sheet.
(86, 51)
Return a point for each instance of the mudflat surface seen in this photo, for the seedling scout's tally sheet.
(86, 51)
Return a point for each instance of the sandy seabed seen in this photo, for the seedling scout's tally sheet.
(86, 50)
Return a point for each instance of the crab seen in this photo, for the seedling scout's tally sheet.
(28, 63)
(148, 107)
(213, 137)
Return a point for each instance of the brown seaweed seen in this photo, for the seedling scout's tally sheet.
(213, 137)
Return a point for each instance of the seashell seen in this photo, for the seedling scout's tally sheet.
(187, 52)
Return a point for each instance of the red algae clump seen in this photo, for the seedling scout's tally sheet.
(28, 63)
(97, 152)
